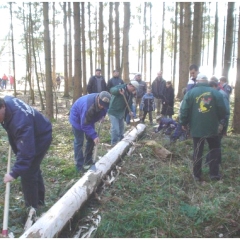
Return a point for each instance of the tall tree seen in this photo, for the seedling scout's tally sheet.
(77, 90)
(110, 40)
(163, 38)
(185, 37)
(236, 114)
(229, 40)
(175, 42)
(117, 39)
(65, 47)
(125, 46)
(90, 39)
(54, 44)
(13, 53)
(215, 44)
(197, 34)
(35, 58)
(70, 78)
(47, 51)
(101, 37)
(151, 47)
(84, 67)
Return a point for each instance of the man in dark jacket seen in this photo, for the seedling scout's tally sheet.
(30, 135)
(85, 112)
(118, 106)
(115, 80)
(158, 89)
(203, 108)
(96, 83)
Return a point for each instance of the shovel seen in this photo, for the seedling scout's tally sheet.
(93, 167)
(7, 194)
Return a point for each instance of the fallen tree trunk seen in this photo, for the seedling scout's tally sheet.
(63, 210)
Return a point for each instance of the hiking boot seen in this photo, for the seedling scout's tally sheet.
(197, 179)
(216, 178)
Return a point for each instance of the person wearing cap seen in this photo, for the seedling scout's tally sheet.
(114, 81)
(96, 83)
(158, 89)
(142, 89)
(203, 108)
(30, 135)
(118, 108)
(84, 113)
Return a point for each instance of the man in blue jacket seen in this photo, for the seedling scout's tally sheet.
(85, 112)
(30, 135)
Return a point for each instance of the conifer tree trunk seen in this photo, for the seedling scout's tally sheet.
(66, 90)
(70, 78)
(163, 36)
(117, 39)
(77, 90)
(150, 44)
(84, 67)
(229, 40)
(90, 39)
(236, 114)
(13, 53)
(175, 42)
(110, 40)
(125, 47)
(53, 46)
(47, 51)
(101, 38)
(197, 34)
(215, 52)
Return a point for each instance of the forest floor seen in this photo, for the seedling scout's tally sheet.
(150, 198)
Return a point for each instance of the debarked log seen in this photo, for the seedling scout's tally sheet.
(53, 221)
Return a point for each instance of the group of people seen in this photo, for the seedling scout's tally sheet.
(204, 110)
(4, 79)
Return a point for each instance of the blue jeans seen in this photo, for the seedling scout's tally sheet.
(128, 118)
(117, 129)
(80, 159)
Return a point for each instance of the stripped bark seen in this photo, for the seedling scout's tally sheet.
(53, 221)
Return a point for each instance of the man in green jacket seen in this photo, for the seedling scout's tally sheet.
(202, 108)
(118, 107)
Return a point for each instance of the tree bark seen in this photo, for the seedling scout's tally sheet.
(53, 221)
(77, 91)
(197, 34)
(47, 50)
(117, 39)
(84, 67)
(101, 38)
(125, 47)
(236, 113)
(229, 40)
(215, 45)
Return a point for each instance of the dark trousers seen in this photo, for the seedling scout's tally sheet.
(214, 155)
(81, 159)
(149, 114)
(32, 181)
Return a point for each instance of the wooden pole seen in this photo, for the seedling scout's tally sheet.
(7, 194)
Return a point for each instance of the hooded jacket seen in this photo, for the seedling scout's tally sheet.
(29, 133)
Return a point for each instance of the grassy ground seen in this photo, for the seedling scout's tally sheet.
(151, 197)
